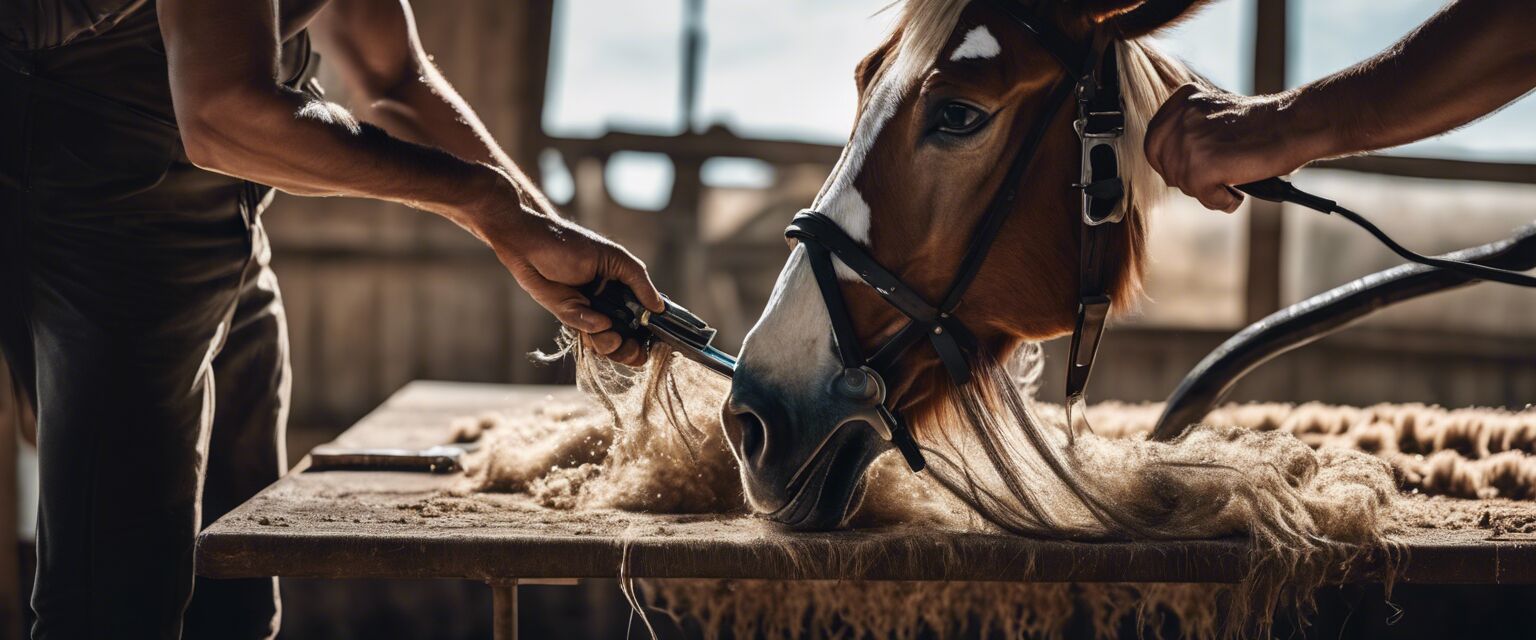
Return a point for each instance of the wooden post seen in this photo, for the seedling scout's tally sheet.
(1262, 287)
(693, 44)
(504, 610)
(530, 80)
(679, 262)
(530, 31)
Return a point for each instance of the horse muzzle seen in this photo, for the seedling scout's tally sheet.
(803, 453)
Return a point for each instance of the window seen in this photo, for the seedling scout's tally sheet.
(614, 64)
(1217, 43)
(786, 72)
(1329, 35)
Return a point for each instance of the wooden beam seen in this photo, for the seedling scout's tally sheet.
(679, 263)
(1262, 287)
(504, 609)
(717, 141)
(1435, 168)
(693, 52)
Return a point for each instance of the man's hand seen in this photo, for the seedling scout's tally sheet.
(1202, 140)
(550, 257)
(1467, 61)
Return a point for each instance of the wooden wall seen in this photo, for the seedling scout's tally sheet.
(378, 294)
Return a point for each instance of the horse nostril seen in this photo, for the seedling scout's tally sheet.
(753, 436)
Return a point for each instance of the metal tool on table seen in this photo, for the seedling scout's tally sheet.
(438, 459)
(685, 332)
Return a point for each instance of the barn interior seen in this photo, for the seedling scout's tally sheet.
(690, 131)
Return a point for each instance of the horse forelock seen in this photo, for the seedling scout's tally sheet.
(925, 27)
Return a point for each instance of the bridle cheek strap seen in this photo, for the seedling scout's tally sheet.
(1099, 125)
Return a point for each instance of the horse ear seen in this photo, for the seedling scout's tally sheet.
(1135, 18)
(864, 74)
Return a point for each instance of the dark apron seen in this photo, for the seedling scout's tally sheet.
(131, 280)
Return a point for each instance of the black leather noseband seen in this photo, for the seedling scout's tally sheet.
(1092, 74)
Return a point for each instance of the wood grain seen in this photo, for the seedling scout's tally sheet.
(375, 525)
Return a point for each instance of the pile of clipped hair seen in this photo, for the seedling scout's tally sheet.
(1312, 489)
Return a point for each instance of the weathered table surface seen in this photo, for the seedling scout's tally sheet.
(402, 525)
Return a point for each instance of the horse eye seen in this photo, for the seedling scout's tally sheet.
(959, 118)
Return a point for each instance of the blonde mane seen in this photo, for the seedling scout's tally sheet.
(1147, 77)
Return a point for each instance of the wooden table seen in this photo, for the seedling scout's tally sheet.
(345, 524)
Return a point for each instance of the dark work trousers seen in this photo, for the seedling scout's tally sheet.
(138, 308)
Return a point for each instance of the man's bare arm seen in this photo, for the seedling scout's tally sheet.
(1467, 61)
(375, 46)
(236, 119)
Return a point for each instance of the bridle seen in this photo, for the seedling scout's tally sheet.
(1093, 75)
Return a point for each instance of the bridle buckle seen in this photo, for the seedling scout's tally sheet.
(1103, 190)
(1100, 125)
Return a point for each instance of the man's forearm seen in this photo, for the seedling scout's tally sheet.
(305, 146)
(427, 109)
(236, 119)
(1469, 60)
(395, 85)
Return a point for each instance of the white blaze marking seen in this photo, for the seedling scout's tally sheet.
(978, 43)
(790, 347)
(840, 200)
(794, 332)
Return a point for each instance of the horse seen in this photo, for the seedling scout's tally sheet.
(953, 92)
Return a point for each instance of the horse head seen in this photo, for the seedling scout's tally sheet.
(945, 104)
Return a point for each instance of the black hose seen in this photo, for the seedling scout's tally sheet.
(1323, 314)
